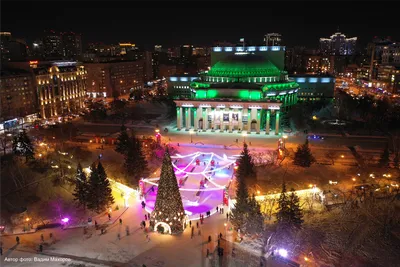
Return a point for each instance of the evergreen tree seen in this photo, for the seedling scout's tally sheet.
(296, 214)
(245, 164)
(384, 160)
(22, 146)
(135, 160)
(241, 207)
(303, 156)
(283, 210)
(123, 142)
(255, 219)
(168, 207)
(100, 193)
(81, 187)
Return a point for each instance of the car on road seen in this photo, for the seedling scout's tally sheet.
(315, 137)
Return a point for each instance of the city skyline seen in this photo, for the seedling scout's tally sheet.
(301, 25)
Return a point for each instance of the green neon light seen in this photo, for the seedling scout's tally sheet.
(280, 86)
(201, 94)
(244, 94)
(212, 93)
(255, 95)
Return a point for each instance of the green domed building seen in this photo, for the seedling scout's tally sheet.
(241, 92)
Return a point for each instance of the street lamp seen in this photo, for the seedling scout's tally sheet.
(244, 134)
(191, 132)
(285, 137)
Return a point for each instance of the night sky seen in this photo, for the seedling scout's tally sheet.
(200, 23)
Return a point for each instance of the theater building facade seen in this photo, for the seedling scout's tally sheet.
(242, 92)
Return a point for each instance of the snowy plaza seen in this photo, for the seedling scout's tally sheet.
(203, 179)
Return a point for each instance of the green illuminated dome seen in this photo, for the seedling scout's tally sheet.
(242, 66)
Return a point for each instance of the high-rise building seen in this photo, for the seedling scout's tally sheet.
(71, 45)
(158, 48)
(52, 45)
(17, 94)
(186, 51)
(273, 39)
(338, 44)
(37, 50)
(112, 79)
(5, 38)
(126, 47)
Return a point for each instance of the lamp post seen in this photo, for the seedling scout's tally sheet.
(285, 137)
(191, 132)
(244, 134)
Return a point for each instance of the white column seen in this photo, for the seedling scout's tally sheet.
(187, 114)
(212, 121)
(205, 119)
(197, 118)
(179, 118)
(267, 127)
(230, 120)
(222, 125)
(277, 122)
(248, 120)
(258, 118)
(240, 124)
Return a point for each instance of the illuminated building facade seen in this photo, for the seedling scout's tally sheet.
(60, 87)
(17, 95)
(338, 44)
(114, 78)
(245, 89)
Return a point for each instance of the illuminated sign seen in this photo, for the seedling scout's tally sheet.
(276, 48)
(33, 62)
(251, 48)
(274, 108)
(301, 80)
(263, 48)
(217, 49)
(228, 49)
(184, 79)
(187, 105)
(325, 80)
(271, 94)
(313, 80)
(240, 49)
(193, 78)
(173, 79)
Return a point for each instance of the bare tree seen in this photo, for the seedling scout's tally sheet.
(332, 155)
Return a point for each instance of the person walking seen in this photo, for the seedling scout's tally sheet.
(40, 248)
(119, 236)
(220, 235)
(42, 237)
(199, 232)
(192, 232)
(209, 239)
(145, 217)
(120, 221)
(217, 208)
(227, 216)
(96, 225)
(17, 239)
(190, 223)
(148, 214)
(109, 216)
(197, 224)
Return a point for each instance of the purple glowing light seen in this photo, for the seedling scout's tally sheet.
(283, 252)
(65, 220)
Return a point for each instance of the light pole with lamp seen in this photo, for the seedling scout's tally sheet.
(191, 132)
(244, 134)
(285, 137)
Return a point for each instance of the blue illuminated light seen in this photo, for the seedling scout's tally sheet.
(276, 48)
(173, 79)
(184, 79)
(325, 80)
(251, 48)
(239, 48)
(263, 48)
(301, 80)
(193, 78)
(217, 49)
(313, 80)
(228, 49)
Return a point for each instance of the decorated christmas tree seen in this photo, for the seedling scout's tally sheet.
(168, 214)
(81, 187)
